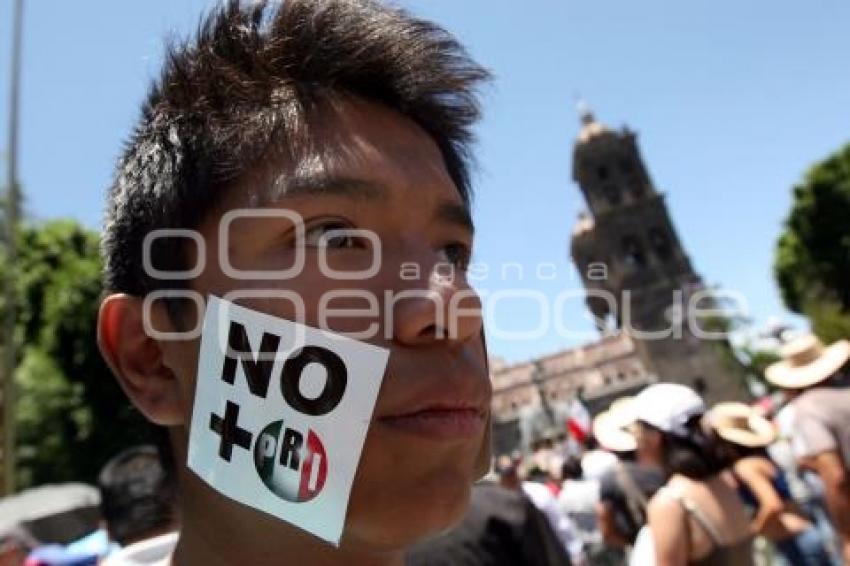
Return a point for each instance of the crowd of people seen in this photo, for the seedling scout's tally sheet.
(137, 507)
(664, 479)
(660, 479)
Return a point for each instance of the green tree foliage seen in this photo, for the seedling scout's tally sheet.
(71, 414)
(812, 263)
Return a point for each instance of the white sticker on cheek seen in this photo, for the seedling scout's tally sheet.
(281, 413)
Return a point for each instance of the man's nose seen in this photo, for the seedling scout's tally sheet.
(437, 307)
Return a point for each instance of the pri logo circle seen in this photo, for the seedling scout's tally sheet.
(292, 465)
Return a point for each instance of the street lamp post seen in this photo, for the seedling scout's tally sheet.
(12, 200)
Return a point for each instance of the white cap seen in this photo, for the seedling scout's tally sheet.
(597, 463)
(668, 407)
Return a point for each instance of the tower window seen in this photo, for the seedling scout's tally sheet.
(633, 254)
(660, 243)
(602, 172)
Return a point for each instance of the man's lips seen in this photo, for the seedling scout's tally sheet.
(443, 423)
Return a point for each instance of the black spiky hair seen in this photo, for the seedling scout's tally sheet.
(249, 84)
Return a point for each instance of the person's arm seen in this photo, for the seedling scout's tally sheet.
(608, 526)
(830, 467)
(755, 473)
(668, 523)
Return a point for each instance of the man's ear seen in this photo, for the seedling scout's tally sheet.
(136, 359)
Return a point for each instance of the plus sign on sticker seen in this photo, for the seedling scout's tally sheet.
(281, 413)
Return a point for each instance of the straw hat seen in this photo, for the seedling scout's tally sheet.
(741, 424)
(611, 428)
(806, 362)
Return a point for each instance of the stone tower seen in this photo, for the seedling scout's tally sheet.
(636, 273)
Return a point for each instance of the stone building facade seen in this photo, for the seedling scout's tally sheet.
(533, 399)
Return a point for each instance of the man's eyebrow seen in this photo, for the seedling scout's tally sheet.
(329, 185)
(353, 188)
(455, 213)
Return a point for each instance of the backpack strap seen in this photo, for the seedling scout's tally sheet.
(698, 516)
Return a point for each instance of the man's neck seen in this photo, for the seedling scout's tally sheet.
(196, 549)
(222, 534)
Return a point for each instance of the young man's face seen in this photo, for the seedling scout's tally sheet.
(384, 175)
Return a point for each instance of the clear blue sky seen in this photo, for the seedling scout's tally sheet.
(732, 101)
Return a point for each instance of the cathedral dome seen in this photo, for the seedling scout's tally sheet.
(590, 128)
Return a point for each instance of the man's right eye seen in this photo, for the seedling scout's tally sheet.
(330, 235)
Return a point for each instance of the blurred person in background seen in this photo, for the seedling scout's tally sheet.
(595, 460)
(578, 498)
(545, 463)
(627, 485)
(813, 377)
(742, 435)
(542, 450)
(697, 517)
(510, 477)
(15, 544)
(137, 508)
(806, 486)
(137, 503)
(503, 527)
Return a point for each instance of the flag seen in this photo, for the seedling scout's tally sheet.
(578, 423)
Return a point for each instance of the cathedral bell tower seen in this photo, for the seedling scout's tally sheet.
(637, 275)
